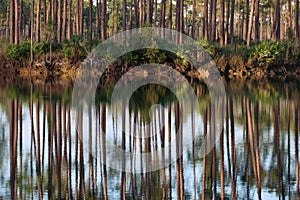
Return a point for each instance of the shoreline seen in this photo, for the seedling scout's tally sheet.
(67, 71)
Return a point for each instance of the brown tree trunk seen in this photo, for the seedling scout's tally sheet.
(69, 19)
(104, 20)
(38, 22)
(170, 14)
(193, 18)
(227, 22)
(16, 22)
(149, 13)
(296, 18)
(59, 20)
(222, 36)
(256, 22)
(21, 26)
(246, 20)
(130, 14)
(232, 21)
(141, 13)
(213, 20)
(123, 15)
(90, 20)
(64, 21)
(12, 21)
(250, 23)
(276, 21)
(136, 13)
(162, 14)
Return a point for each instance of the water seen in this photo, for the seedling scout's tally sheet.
(50, 150)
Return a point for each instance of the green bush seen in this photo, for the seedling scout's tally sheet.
(68, 52)
(19, 51)
(267, 52)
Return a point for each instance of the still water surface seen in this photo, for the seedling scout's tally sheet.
(46, 151)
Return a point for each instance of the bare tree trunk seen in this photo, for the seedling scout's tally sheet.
(130, 14)
(136, 13)
(250, 23)
(227, 36)
(276, 21)
(21, 26)
(59, 20)
(124, 15)
(149, 13)
(163, 14)
(246, 20)
(296, 18)
(170, 14)
(104, 21)
(16, 22)
(141, 12)
(213, 24)
(38, 22)
(256, 22)
(232, 20)
(69, 20)
(12, 21)
(221, 24)
(64, 21)
(90, 20)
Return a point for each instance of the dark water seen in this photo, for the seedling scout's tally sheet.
(47, 150)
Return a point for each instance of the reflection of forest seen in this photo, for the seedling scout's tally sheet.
(256, 155)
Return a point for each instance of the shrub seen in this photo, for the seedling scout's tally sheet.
(267, 52)
(19, 51)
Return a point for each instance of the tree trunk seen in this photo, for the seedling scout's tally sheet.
(123, 15)
(246, 20)
(290, 13)
(103, 23)
(181, 19)
(256, 23)
(170, 14)
(222, 36)
(296, 18)
(141, 13)
(16, 22)
(193, 18)
(232, 21)
(21, 27)
(90, 20)
(69, 19)
(250, 23)
(59, 20)
(213, 20)
(136, 13)
(64, 21)
(162, 14)
(276, 21)
(227, 22)
(149, 13)
(154, 13)
(130, 14)
(38, 22)
(12, 21)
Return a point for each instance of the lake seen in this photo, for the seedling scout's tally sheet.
(49, 149)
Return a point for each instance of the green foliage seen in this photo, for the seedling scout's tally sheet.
(68, 52)
(267, 52)
(41, 48)
(19, 51)
(73, 49)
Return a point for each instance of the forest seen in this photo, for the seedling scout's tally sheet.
(234, 32)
